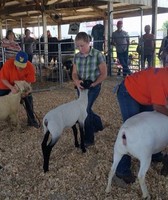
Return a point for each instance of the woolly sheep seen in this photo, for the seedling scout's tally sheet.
(140, 136)
(9, 104)
(63, 116)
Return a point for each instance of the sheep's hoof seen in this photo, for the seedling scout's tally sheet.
(147, 198)
(77, 145)
(45, 171)
(164, 170)
(108, 189)
(84, 150)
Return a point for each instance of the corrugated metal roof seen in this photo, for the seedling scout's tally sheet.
(30, 12)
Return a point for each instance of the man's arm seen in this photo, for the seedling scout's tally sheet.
(11, 87)
(160, 108)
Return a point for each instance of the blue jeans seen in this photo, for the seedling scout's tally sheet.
(128, 107)
(30, 57)
(123, 58)
(149, 60)
(93, 122)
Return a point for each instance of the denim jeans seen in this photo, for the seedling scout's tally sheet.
(123, 58)
(93, 122)
(30, 57)
(149, 60)
(128, 107)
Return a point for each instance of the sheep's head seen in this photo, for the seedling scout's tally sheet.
(86, 84)
(23, 86)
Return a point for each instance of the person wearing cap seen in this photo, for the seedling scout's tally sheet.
(19, 68)
(120, 39)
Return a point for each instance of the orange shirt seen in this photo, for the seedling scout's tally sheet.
(149, 86)
(11, 73)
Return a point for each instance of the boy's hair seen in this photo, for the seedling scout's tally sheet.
(82, 36)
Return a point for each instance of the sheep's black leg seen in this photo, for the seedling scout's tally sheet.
(82, 138)
(75, 132)
(46, 149)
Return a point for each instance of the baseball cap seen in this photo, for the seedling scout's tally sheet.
(21, 59)
(119, 22)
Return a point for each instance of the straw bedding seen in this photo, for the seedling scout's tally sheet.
(73, 175)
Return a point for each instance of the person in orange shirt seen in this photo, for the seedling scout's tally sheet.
(146, 90)
(19, 68)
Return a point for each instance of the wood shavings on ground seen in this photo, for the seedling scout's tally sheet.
(73, 175)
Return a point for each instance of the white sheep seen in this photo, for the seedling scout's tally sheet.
(140, 136)
(9, 104)
(63, 116)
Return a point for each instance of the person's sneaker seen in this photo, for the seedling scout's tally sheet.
(127, 179)
(98, 128)
(33, 123)
(119, 182)
(157, 158)
(164, 170)
(88, 144)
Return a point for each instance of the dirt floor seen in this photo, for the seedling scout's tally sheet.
(73, 175)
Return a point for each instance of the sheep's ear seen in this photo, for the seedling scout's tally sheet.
(27, 87)
(16, 85)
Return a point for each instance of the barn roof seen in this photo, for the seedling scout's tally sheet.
(29, 12)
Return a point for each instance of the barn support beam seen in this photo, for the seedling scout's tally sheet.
(110, 30)
(154, 22)
(0, 29)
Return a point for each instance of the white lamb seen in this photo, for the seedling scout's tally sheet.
(63, 116)
(9, 104)
(140, 136)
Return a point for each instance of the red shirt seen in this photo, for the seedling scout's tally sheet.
(149, 86)
(10, 72)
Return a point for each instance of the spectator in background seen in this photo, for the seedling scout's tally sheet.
(148, 46)
(120, 39)
(29, 43)
(98, 36)
(52, 48)
(163, 51)
(10, 45)
(49, 34)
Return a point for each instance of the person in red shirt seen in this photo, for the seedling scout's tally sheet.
(15, 69)
(146, 90)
